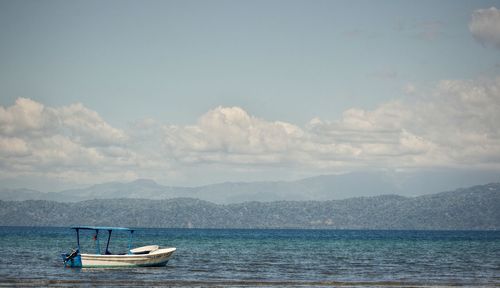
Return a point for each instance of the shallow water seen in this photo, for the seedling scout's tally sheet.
(221, 257)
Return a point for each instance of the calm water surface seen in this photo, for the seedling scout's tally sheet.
(219, 257)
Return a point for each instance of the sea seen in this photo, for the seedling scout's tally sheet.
(30, 257)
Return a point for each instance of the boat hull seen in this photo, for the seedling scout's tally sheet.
(159, 257)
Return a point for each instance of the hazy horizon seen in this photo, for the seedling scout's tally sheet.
(316, 188)
(192, 93)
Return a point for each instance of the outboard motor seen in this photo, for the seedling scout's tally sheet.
(73, 259)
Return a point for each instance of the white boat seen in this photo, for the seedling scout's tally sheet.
(145, 256)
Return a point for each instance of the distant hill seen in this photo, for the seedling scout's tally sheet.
(320, 188)
(316, 188)
(464, 209)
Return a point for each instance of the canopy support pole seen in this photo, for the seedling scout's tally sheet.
(78, 239)
(97, 246)
(130, 241)
(107, 244)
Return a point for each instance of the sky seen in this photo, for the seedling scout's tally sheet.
(199, 92)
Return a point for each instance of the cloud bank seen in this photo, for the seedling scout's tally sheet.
(70, 143)
(455, 125)
(485, 26)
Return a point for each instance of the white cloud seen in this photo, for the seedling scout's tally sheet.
(87, 126)
(485, 26)
(231, 133)
(454, 126)
(13, 146)
(75, 121)
(26, 115)
(39, 140)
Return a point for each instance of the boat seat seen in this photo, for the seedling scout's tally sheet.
(144, 249)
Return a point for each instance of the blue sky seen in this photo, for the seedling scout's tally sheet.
(283, 60)
(326, 69)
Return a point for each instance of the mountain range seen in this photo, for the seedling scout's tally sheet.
(320, 188)
(474, 208)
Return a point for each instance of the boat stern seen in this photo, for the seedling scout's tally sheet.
(72, 260)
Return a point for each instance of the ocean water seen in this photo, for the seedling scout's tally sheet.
(260, 258)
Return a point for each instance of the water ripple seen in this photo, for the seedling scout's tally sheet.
(248, 258)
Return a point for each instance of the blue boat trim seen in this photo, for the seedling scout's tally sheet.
(101, 228)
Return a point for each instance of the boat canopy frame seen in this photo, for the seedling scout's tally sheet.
(110, 230)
